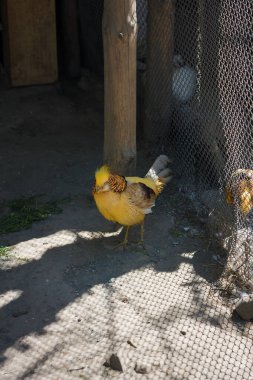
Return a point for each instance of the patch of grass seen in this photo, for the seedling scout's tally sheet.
(25, 211)
(4, 251)
(175, 231)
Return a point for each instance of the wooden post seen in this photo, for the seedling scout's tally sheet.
(119, 38)
(160, 51)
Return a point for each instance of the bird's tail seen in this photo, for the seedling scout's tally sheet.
(160, 171)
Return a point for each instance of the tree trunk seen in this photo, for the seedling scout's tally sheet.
(119, 38)
(160, 51)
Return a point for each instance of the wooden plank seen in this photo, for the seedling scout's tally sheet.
(119, 37)
(30, 41)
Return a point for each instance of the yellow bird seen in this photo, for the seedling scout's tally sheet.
(240, 189)
(127, 200)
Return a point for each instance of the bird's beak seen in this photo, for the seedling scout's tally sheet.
(100, 189)
(95, 188)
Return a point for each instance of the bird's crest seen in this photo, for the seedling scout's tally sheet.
(102, 175)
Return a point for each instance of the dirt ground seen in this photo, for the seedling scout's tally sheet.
(68, 301)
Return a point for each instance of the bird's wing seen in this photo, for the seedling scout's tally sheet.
(141, 196)
(156, 185)
(147, 181)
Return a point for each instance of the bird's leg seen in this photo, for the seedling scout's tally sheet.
(141, 242)
(125, 241)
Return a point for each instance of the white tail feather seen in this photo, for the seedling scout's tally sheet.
(160, 169)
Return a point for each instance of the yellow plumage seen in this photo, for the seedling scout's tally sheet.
(117, 208)
(239, 190)
(102, 175)
(126, 200)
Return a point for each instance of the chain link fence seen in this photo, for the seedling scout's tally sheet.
(199, 110)
(208, 116)
(72, 307)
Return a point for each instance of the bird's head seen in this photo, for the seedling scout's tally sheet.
(101, 179)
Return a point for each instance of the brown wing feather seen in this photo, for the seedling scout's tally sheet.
(141, 196)
(117, 183)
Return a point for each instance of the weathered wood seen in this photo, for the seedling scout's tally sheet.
(119, 38)
(70, 38)
(30, 53)
(160, 50)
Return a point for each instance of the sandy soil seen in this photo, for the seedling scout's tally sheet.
(68, 301)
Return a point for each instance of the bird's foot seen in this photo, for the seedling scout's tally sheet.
(115, 245)
(122, 245)
(141, 247)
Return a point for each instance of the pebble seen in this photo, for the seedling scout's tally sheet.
(245, 308)
(142, 367)
(115, 363)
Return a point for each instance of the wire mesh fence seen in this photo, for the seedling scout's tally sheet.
(208, 116)
(198, 109)
(69, 303)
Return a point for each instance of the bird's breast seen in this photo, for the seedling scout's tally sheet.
(116, 207)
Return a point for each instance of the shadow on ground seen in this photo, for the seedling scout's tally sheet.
(63, 273)
(67, 299)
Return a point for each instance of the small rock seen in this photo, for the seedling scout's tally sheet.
(112, 280)
(142, 367)
(217, 258)
(244, 295)
(115, 363)
(124, 299)
(245, 308)
(131, 343)
(135, 340)
(186, 229)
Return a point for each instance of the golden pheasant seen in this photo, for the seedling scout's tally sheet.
(240, 188)
(126, 200)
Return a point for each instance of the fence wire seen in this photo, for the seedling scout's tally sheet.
(209, 115)
(199, 110)
(69, 302)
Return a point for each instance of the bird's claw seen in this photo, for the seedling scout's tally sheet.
(141, 244)
(122, 245)
(141, 247)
